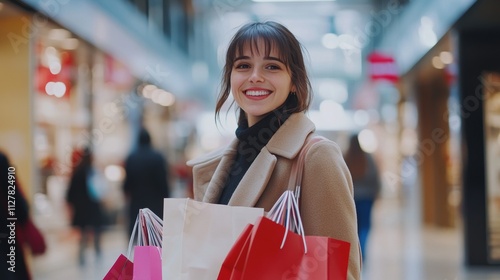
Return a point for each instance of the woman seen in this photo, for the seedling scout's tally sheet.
(146, 180)
(266, 75)
(15, 267)
(86, 208)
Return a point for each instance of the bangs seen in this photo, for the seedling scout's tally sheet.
(271, 40)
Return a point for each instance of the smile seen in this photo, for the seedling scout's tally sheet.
(257, 92)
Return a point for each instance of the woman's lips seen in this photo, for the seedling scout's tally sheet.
(257, 94)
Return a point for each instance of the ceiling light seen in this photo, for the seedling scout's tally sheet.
(426, 32)
(55, 66)
(361, 117)
(368, 141)
(330, 40)
(446, 57)
(147, 91)
(347, 42)
(437, 63)
(331, 110)
(57, 89)
(50, 51)
(333, 89)
(166, 99)
(114, 173)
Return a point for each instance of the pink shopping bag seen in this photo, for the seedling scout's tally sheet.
(147, 263)
(147, 253)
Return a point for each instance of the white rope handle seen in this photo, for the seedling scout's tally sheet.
(149, 228)
(286, 210)
(286, 213)
(131, 240)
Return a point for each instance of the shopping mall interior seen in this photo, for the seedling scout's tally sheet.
(417, 80)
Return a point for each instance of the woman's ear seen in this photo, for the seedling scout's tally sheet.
(293, 88)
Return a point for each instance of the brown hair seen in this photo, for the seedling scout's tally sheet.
(274, 36)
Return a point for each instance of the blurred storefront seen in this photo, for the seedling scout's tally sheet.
(78, 103)
(428, 96)
(447, 116)
(16, 78)
(74, 89)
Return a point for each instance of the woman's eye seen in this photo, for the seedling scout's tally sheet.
(242, 66)
(273, 67)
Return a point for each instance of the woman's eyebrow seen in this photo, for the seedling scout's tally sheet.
(241, 57)
(274, 58)
(266, 58)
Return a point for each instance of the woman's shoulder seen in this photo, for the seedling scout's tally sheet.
(204, 158)
(322, 150)
(322, 143)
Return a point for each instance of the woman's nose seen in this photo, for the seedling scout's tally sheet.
(256, 76)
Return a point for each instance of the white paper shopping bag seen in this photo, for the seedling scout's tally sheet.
(197, 236)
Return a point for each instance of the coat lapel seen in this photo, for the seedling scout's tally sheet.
(290, 137)
(255, 180)
(286, 143)
(219, 178)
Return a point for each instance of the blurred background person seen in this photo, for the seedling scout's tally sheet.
(85, 204)
(366, 184)
(146, 179)
(26, 233)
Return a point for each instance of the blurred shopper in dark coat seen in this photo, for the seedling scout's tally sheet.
(365, 179)
(22, 214)
(146, 181)
(87, 215)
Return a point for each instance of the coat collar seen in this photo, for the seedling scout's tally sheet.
(290, 137)
(286, 142)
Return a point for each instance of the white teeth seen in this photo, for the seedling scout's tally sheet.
(257, 92)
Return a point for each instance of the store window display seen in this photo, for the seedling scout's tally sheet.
(492, 153)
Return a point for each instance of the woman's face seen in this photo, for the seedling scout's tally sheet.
(259, 84)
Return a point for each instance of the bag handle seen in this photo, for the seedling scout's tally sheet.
(286, 210)
(149, 228)
(286, 213)
(295, 180)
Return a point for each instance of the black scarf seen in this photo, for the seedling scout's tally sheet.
(252, 140)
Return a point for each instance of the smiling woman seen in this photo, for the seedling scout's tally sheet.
(260, 83)
(265, 73)
(277, 54)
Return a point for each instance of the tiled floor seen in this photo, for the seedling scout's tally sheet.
(399, 249)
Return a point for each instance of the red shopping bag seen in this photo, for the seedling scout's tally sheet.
(277, 247)
(122, 269)
(34, 238)
(262, 257)
(233, 264)
(147, 263)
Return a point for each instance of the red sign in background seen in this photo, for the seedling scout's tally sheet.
(382, 67)
(44, 76)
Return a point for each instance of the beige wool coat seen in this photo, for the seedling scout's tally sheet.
(326, 203)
